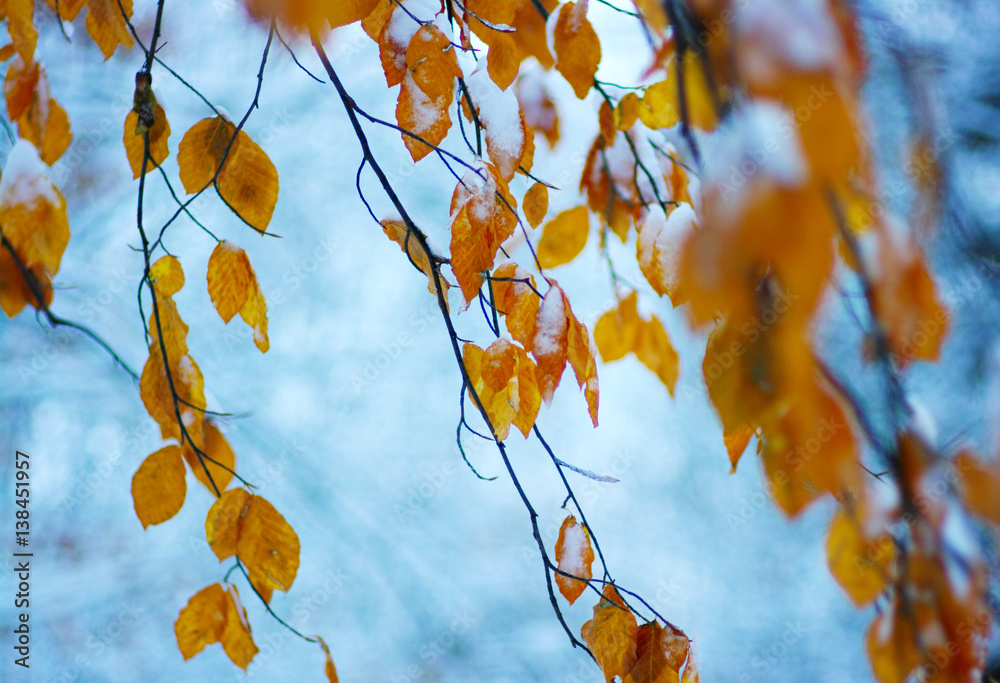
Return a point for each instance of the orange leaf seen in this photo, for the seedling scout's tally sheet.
(577, 48)
(551, 340)
(344, 12)
(106, 25)
(581, 357)
(483, 216)
(627, 111)
(14, 289)
(215, 615)
(225, 517)
(517, 301)
(19, 86)
(611, 635)
(218, 449)
(980, 483)
(135, 145)
(68, 9)
(329, 669)
(428, 90)
(158, 486)
(248, 181)
(574, 556)
(154, 390)
(398, 233)
(606, 123)
(564, 237)
(508, 140)
(736, 442)
(652, 645)
(494, 377)
(32, 211)
(45, 123)
(529, 36)
(535, 204)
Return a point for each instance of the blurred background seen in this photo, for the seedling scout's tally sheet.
(411, 567)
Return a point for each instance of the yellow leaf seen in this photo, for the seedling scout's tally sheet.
(564, 237)
(860, 564)
(577, 48)
(529, 397)
(736, 442)
(627, 111)
(494, 377)
(575, 556)
(225, 517)
(611, 635)
(218, 449)
(653, 647)
(167, 275)
(616, 331)
(529, 36)
(21, 27)
(106, 25)
(248, 181)
(189, 385)
(535, 204)
(230, 279)
(654, 349)
(254, 314)
(344, 12)
(980, 484)
(658, 107)
(159, 487)
(267, 545)
(135, 145)
(215, 615)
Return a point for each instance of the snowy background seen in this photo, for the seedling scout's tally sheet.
(413, 569)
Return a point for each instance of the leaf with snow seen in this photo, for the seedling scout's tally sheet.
(428, 90)
(575, 556)
(500, 114)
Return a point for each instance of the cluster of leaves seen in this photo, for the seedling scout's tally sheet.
(751, 260)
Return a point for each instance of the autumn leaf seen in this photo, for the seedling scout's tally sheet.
(32, 211)
(248, 526)
(248, 181)
(233, 288)
(535, 204)
(576, 46)
(509, 142)
(654, 646)
(329, 669)
(397, 231)
(980, 483)
(564, 237)
(616, 331)
(215, 615)
(626, 111)
(606, 123)
(736, 441)
(611, 635)
(19, 86)
(494, 377)
(537, 105)
(488, 19)
(551, 340)
(106, 25)
(217, 448)
(860, 564)
(658, 249)
(575, 556)
(428, 90)
(529, 397)
(517, 300)
(159, 487)
(15, 291)
(483, 215)
(135, 145)
(21, 27)
(654, 349)
(660, 106)
(529, 35)
(44, 123)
